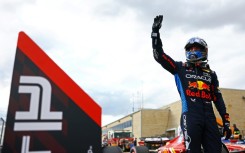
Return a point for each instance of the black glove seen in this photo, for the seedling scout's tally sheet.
(226, 124)
(156, 41)
(157, 24)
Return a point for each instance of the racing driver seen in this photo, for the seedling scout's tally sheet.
(198, 87)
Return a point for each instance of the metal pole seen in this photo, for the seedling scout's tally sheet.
(2, 130)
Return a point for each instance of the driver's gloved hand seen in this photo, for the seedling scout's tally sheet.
(157, 24)
(226, 125)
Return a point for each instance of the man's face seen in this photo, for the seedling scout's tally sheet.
(194, 53)
(194, 48)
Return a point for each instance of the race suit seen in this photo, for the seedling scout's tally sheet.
(198, 88)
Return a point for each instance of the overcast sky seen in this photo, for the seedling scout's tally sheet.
(105, 45)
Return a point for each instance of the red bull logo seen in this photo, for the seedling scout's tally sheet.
(200, 94)
(200, 85)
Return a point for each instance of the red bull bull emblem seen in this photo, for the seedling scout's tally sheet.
(200, 85)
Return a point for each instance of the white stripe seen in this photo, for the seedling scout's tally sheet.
(35, 126)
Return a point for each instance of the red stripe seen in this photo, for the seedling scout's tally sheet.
(59, 77)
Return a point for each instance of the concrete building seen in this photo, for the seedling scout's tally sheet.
(165, 120)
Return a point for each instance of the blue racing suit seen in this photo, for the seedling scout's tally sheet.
(198, 87)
